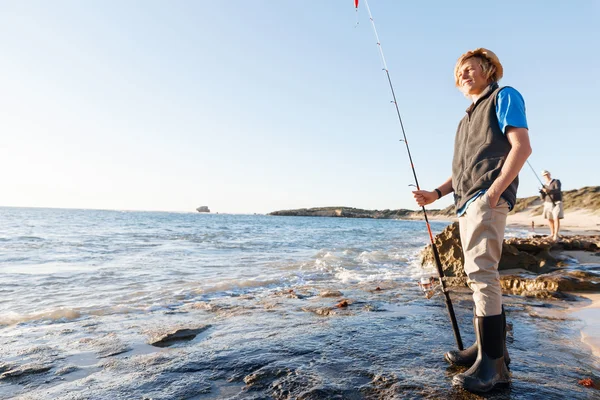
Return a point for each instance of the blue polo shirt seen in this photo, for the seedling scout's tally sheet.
(510, 110)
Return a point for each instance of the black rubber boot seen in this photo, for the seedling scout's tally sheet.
(468, 356)
(489, 369)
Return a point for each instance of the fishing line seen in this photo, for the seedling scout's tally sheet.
(436, 255)
(539, 180)
(533, 170)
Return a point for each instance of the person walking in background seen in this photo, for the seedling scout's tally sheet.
(553, 206)
(490, 147)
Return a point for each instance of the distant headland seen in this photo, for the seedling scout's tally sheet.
(351, 212)
(586, 200)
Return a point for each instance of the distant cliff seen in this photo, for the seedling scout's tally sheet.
(351, 212)
(586, 198)
(203, 209)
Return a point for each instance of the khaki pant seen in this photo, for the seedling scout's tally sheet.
(482, 234)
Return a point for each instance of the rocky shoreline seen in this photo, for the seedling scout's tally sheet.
(531, 267)
(536, 268)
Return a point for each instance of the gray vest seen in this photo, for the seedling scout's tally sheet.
(480, 149)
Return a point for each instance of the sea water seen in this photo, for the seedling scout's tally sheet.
(82, 292)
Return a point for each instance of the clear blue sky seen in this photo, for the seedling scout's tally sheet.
(255, 106)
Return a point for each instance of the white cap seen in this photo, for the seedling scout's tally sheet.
(545, 172)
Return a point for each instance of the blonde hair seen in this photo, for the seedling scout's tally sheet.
(490, 65)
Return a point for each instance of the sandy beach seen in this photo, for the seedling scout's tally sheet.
(590, 315)
(577, 222)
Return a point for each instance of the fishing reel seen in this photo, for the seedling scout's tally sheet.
(428, 286)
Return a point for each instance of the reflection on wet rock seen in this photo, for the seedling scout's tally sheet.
(166, 339)
(22, 370)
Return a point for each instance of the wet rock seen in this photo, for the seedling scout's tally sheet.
(373, 308)
(575, 242)
(548, 285)
(456, 281)
(343, 304)
(174, 312)
(330, 293)
(106, 346)
(23, 370)
(110, 348)
(45, 351)
(226, 310)
(113, 349)
(291, 294)
(200, 305)
(322, 311)
(579, 242)
(535, 259)
(381, 386)
(166, 339)
(165, 386)
(148, 362)
(296, 384)
(267, 305)
(66, 370)
(330, 393)
(529, 254)
(449, 249)
(6, 367)
(265, 376)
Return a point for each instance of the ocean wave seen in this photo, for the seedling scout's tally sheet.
(58, 315)
(65, 314)
(380, 256)
(360, 275)
(93, 261)
(233, 285)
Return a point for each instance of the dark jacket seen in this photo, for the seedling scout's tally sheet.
(554, 192)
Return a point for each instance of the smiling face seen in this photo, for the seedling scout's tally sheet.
(470, 77)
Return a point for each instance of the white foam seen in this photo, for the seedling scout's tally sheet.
(236, 284)
(11, 318)
(379, 256)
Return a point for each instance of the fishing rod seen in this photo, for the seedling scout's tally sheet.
(540, 181)
(533, 170)
(436, 255)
